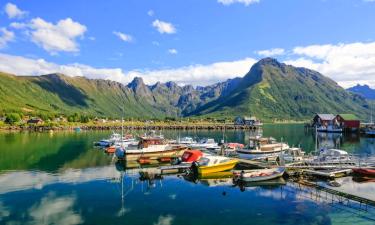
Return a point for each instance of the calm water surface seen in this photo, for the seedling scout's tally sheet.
(61, 179)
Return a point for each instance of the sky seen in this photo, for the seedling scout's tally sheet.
(197, 42)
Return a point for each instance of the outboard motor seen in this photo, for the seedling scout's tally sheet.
(120, 153)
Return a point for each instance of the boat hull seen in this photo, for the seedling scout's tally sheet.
(172, 153)
(262, 175)
(364, 172)
(204, 170)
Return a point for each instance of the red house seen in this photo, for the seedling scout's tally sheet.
(348, 121)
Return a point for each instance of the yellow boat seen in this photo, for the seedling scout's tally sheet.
(213, 164)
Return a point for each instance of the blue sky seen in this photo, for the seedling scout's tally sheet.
(202, 41)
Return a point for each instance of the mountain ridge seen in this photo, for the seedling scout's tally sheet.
(269, 90)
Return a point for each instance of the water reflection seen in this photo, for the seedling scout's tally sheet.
(62, 179)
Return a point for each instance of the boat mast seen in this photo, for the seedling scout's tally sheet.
(122, 126)
(316, 138)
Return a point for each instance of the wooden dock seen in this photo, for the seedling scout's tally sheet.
(334, 192)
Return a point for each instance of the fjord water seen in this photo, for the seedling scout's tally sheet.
(60, 178)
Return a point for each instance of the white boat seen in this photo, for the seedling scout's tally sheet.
(330, 129)
(207, 143)
(262, 148)
(258, 175)
(293, 155)
(149, 147)
(115, 137)
(332, 157)
(186, 141)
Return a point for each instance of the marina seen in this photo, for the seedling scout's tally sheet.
(80, 173)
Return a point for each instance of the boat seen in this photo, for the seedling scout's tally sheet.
(186, 141)
(262, 148)
(258, 175)
(330, 129)
(150, 147)
(292, 155)
(370, 131)
(207, 143)
(187, 158)
(367, 172)
(115, 137)
(213, 164)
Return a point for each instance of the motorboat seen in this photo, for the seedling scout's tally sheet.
(258, 175)
(186, 141)
(213, 164)
(262, 148)
(187, 158)
(150, 147)
(292, 155)
(207, 143)
(115, 137)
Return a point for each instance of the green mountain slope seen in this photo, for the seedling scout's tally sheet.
(271, 90)
(275, 90)
(62, 94)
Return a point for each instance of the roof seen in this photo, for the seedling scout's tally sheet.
(349, 116)
(34, 120)
(326, 116)
(249, 118)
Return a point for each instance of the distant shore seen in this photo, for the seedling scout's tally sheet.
(137, 125)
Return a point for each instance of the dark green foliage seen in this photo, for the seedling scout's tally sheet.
(12, 118)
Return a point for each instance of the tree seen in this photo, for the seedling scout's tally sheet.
(12, 118)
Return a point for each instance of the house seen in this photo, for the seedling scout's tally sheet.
(324, 120)
(35, 121)
(348, 121)
(238, 121)
(249, 121)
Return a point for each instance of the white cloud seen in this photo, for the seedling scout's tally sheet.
(55, 210)
(164, 220)
(5, 37)
(13, 11)
(347, 64)
(164, 27)
(123, 37)
(17, 25)
(245, 2)
(150, 13)
(56, 37)
(172, 51)
(271, 52)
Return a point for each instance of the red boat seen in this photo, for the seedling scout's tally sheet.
(191, 156)
(364, 172)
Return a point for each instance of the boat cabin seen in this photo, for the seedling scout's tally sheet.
(191, 156)
(147, 141)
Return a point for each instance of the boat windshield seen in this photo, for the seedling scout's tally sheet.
(203, 161)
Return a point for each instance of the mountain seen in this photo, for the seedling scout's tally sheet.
(58, 93)
(363, 90)
(276, 90)
(270, 90)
